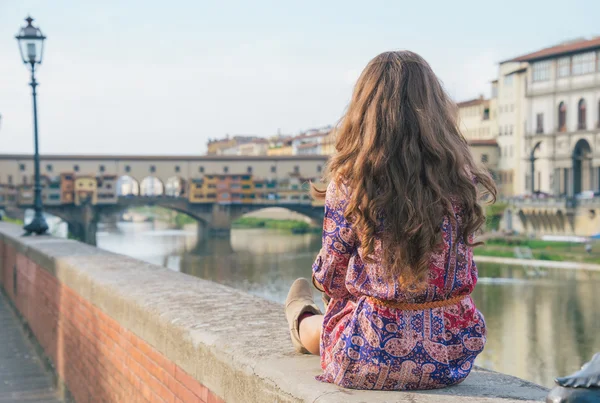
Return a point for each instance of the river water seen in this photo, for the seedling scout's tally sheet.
(539, 327)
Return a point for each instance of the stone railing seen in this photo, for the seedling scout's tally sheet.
(120, 330)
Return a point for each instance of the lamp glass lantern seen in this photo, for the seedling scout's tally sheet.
(31, 43)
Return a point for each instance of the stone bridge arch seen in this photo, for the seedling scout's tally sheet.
(314, 214)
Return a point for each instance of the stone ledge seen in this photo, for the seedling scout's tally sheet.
(233, 343)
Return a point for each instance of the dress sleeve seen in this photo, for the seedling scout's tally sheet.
(339, 242)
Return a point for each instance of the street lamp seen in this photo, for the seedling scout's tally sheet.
(31, 46)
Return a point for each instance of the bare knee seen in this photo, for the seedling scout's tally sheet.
(310, 333)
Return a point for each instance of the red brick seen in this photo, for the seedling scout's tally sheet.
(155, 356)
(182, 392)
(212, 398)
(192, 384)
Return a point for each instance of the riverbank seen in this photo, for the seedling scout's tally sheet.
(12, 221)
(550, 264)
(294, 226)
(540, 250)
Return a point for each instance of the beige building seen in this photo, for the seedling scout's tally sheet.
(254, 147)
(478, 124)
(218, 146)
(510, 120)
(476, 120)
(562, 136)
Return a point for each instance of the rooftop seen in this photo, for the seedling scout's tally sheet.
(472, 102)
(490, 142)
(564, 48)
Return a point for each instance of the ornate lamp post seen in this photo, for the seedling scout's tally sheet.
(31, 46)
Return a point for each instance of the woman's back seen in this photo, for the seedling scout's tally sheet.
(378, 334)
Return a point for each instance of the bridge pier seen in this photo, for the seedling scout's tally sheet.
(221, 219)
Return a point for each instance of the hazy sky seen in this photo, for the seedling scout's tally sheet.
(161, 77)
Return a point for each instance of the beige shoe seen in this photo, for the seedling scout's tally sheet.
(299, 301)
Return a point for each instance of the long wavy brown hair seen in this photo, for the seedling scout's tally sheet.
(406, 164)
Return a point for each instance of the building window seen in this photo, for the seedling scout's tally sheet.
(508, 80)
(102, 169)
(581, 115)
(201, 169)
(177, 168)
(22, 167)
(512, 107)
(564, 66)
(225, 169)
(598, 124)
(76, 168)
(511, 151)
(584, 63)
(108, 186)
(296, 169)
(319, 168)
(540, 123)
(273, 169)
(127, 168)
(249, 170)
(152, 168)
(511, 130)
(484, 158)
(541, 71)
(562, 117)
(24, 180)
(10, 180)
(49, 168)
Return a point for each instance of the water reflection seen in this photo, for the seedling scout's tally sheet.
(538, 328)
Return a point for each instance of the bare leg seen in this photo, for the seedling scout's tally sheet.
(310, 333)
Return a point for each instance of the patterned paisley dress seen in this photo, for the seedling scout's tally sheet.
(368, 345)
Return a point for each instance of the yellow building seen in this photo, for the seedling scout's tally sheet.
(328, 145)
(248, 191)
(86, 190)
(281, 150)
(280, 145)
(203, 190)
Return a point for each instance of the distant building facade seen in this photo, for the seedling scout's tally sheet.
(476, 119)
(218, 146)
(562, 135)
(510, 121)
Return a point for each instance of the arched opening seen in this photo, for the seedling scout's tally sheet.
(532, 184)
(151, 186)
(562, 117)
(581, 114)
(175, 187)
(277, 218)
(523, 218)
(560, 218)
(582, 167)
(128, 186)
(546, 221)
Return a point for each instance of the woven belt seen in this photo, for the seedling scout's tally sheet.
(406, 306)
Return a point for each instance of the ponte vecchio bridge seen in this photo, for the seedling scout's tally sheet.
(214, 190)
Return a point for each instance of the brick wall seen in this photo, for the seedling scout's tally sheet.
(93, 355)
